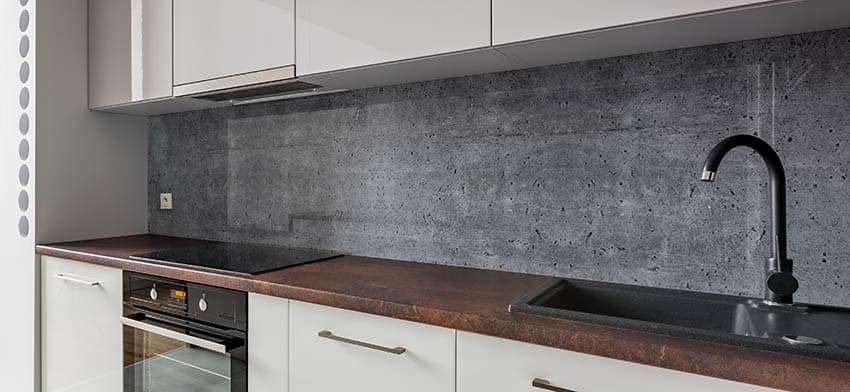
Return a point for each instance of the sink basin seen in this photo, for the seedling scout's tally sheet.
(804, 329)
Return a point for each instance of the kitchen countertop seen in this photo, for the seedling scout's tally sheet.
(471, 300)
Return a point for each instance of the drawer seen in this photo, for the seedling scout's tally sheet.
(498, 365)
(353, 352)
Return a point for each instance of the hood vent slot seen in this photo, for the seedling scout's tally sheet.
(265, 90)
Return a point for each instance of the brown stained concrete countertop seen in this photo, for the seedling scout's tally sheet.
(471, 300)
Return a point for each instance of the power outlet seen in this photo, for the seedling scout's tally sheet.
(165, 201)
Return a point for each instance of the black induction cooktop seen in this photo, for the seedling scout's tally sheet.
(240, 259)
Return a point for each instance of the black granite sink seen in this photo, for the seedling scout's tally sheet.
(804, 329)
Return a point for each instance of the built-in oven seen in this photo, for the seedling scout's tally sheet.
(181, 336)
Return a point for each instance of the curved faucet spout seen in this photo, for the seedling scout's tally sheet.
(780, 283)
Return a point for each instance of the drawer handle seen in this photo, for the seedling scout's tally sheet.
(543, 384)
(331, 336)
(77, 279)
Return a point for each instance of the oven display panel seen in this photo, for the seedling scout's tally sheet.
(177, 297)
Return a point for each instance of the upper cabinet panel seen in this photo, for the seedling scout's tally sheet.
(221, 38)
(520, 20)
(339, 34)
(129, 51)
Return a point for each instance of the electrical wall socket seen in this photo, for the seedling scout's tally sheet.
(165, 201)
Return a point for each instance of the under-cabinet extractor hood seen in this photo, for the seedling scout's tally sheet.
(276, 83)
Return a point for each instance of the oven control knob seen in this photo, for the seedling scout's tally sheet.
(154, 294)
(202, 305)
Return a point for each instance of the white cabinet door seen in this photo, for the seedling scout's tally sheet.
(520, 20)
(352, 353)
(220, 38)
(80, 326)
(338, 34)
(129, 51)
(491, 364)
(268, 343)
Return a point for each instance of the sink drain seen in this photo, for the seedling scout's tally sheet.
(800, 339)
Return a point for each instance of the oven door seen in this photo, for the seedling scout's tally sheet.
(163, 354)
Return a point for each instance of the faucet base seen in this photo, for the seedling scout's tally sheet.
(781, 284)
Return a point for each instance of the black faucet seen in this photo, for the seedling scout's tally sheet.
(780, 284)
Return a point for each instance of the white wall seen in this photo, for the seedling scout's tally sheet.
(17, 370)
(88, 178)
(92, 167)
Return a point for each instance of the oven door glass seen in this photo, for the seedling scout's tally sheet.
(161, 357)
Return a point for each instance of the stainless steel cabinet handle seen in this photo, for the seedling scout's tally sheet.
(331, 336)
(543, 384)
(77, 279)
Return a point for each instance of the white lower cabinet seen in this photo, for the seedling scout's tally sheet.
(268, 343)
(81, 326)
(340, 350)
(488, 364)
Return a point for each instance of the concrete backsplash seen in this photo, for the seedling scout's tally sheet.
(586, 170)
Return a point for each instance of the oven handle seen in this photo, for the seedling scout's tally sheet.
(182, 337)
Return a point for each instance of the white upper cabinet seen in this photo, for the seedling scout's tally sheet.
(221, 38)
(337, 34)
(520, 20)
(129, 51)
(160, 56)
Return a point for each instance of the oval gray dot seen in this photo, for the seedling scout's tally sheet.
(24, 226)
(24, 175)
(24, 200)
(25, 97)
(24, 46)
(24, 149)
(24, 123)
(25, 72)
(24, 2)
(24, 20)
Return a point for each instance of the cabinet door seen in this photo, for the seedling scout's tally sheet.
(220, 38)
(268, 343)
(80, 326)
(338, 34)
(520, 20)
(129, 51)
(498, 365)
(352, 353)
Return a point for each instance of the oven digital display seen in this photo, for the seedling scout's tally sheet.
(178, 297)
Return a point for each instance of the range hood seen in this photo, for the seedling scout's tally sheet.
(276, 83)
